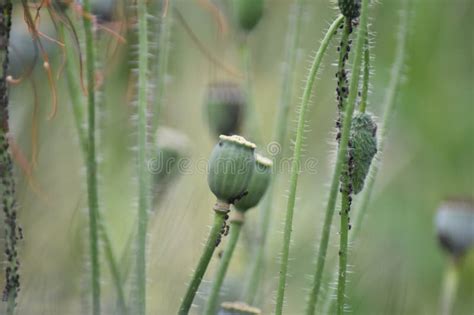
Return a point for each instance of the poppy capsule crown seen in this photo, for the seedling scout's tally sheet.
(454, 224)
(225, 107)
(349, 8)
(248, 13)
(258, 184)
(362, 149)
(231, 166)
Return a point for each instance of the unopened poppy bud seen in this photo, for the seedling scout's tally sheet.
(61, 5)
(258, 184)
(248, 13)
(238, 308)
(231, 165)
(362, 149)
(454, 224)
(349, 8)
(225, 107)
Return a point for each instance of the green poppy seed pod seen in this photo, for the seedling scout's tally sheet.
(225, 107)
(258, 184)
(230, 168)
(349, 8)
(362, 148)
(454, 224)
(171, 146)
(238, 308)
(248, 13)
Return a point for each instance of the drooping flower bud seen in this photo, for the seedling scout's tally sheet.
(238, 308)
(258, 184)
(349, 8)
(231, 166)
(454, 224)
(225, 108)
(362, 149)
(61, 5)
(248, 13)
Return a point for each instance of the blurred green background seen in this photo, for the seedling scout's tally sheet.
(396, 264)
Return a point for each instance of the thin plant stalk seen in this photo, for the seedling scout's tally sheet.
(219, 219)
(325, 233)
(279, 134)
(12, 232)
(366, 75)
(389, 108)
(76, 102)
(342, 157)
(251, 112)
(91, 163)
(450, 286)
(235, 228)
(295, 165)
(166, 22)
(144, 178)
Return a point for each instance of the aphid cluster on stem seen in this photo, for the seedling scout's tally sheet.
(342, 75)
(349, 8)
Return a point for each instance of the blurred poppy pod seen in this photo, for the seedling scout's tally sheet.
(454, 224)
(171, 146)
(248, 13)
(238, 308)
(231, 166)
(349, 8)
(362, 149)
(258, 184)
(225, 108)
(104, 10)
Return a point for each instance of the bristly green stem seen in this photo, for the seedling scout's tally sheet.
(162, 63)
(235, 228)
(144, 178)
(342, 156)
(366, 75)
(340, 159)
(344, 233)
(389, 107)
(76, 102)
(295, 165)
(279, 134)
(342, 87)
(219, 219)
(91, 164)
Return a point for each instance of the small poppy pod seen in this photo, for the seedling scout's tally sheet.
(454, 224)
(248, 13)
(231, 165)
(349, 8)
(171, 146)
(238, 308)
(225, 108)
(258, 184)
(363, 148)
